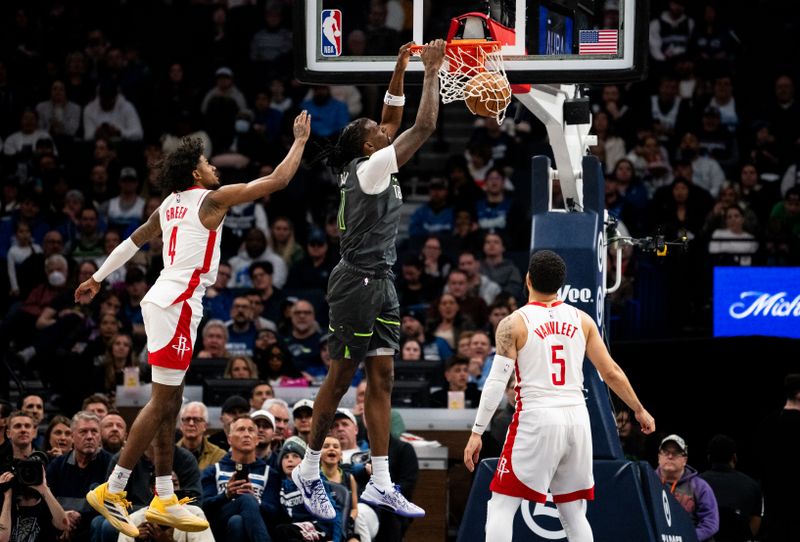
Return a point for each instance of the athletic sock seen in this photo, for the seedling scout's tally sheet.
(118, 479)
(380, 471)
(164, 487)
(309, 468)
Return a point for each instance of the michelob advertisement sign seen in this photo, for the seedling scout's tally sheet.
(757, 301)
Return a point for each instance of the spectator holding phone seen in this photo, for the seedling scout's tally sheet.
(240, 487)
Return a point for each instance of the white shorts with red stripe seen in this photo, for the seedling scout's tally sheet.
(547, 449)
(171, 333)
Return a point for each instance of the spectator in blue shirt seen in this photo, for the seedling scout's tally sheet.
(436, 216)
(328, 115)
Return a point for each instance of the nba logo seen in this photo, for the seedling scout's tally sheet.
(331, 29)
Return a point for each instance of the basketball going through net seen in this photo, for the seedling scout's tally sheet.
(474, 72)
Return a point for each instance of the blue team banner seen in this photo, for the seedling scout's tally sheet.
(757, 301)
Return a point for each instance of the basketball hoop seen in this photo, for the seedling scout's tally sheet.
(464, 60)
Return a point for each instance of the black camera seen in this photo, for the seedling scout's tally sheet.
(30, 471)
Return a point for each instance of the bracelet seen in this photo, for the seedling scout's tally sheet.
(397, 101)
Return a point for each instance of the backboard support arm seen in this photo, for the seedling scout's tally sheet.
(570, 142)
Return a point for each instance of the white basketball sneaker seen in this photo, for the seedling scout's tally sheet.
(315, 498)
(392, 500)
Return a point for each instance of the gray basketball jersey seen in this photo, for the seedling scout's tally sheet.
(368, 222)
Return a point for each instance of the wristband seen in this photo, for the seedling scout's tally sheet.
(397, 101)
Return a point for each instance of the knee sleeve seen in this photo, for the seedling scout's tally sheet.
(500, 512)
(573, 519)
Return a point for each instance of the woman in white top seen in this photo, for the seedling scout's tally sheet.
(733, 241)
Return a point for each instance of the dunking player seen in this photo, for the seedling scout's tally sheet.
(364, 309)
(549, 444)
(190, 218)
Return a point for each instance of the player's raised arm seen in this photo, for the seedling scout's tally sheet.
(509, 337)
(219, 201)
(394, 100)
(612, 374)
(412, 139)
(119, 257)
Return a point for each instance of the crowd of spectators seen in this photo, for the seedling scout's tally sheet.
(93, 94)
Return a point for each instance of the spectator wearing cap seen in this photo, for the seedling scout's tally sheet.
(224, 87)
(271, 297)
(302, 412)
(345, 429)
(220, 106)
(193, 425)
(434, 217)
(125, 210)
(255, 249)
(233, 407)
(313, 270)
(293, 521)
(738, 496)
(236, 504)
(692, 492)
(265, 422)
(111, 116)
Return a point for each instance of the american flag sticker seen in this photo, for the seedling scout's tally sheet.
(598, 42)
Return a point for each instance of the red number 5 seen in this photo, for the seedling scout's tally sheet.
(558, 377)
(173, 238)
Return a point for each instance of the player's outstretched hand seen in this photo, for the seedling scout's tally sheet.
(646, 421)
(472, 451)
(433, 54)
(404, 55)
(302, 127)
(86, 291)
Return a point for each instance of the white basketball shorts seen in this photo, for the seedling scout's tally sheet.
(547, 449)
(171, 333)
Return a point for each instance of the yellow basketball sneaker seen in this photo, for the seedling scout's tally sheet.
(114, 508)
(172, 513)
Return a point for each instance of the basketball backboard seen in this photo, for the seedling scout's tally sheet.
(544, 41)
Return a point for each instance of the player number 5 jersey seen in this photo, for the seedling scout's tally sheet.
(550, 365)
(191, 251)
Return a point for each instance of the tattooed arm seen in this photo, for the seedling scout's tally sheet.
(509, 338)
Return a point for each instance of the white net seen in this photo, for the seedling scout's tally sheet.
(476, 74)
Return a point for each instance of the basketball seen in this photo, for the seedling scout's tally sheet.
(487, 94)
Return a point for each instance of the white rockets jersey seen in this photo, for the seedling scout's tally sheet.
(550, 365)
(191, 251)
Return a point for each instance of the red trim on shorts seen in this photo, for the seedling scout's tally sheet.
(195, 280)
(504, 480)
(545, 305)
(177, 354)
(587, 494)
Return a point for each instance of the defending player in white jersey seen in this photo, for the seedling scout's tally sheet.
(190, 218)
(549, 442)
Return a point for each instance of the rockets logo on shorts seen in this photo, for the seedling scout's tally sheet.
(331, 30)
(181, 346)
(501, 467)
